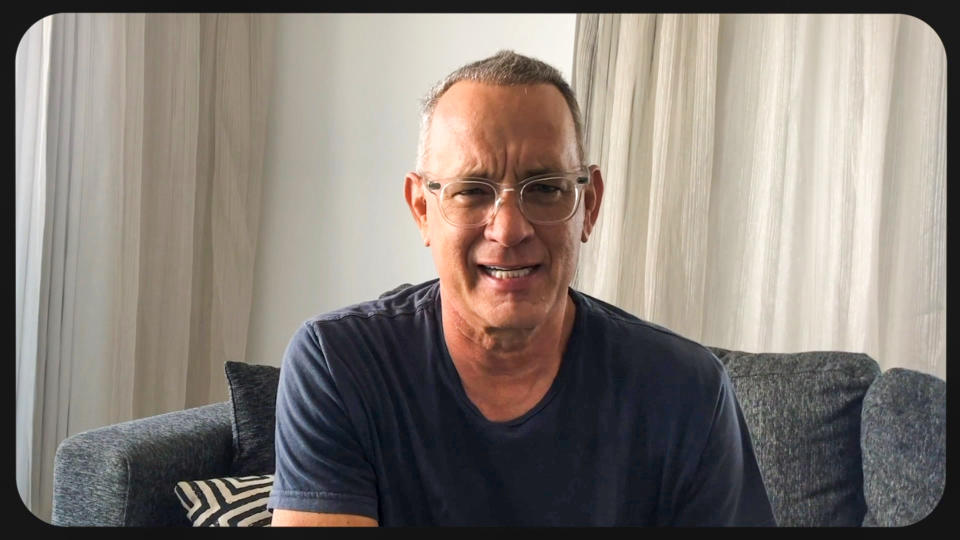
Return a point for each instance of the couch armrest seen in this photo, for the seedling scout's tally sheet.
(124, 474)
(904, 447)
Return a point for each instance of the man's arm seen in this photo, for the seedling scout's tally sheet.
(294, 518)
(728, 488)
(322, 475)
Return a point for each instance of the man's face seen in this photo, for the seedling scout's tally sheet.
(505, 134)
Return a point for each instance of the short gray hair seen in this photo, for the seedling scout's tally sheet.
(506, 68)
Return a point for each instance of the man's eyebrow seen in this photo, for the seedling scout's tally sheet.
(537, 172)
(474, 173)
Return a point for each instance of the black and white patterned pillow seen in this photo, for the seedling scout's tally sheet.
(227, 502)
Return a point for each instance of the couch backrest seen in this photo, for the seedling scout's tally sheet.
(803, 411)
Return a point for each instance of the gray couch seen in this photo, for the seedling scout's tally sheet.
(839, 444)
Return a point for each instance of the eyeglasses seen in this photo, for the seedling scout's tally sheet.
(545, 198)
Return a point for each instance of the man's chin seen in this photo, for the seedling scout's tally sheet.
(515, 316)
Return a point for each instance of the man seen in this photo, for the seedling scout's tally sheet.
(497, 395)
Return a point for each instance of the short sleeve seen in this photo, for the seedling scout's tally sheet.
(321, 465)
(727, 488)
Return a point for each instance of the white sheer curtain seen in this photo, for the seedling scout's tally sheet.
(140, 142)
(31, 69)
(774, 182)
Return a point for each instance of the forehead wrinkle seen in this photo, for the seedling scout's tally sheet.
(495, 156)
(479, 141)
(508, 164)
(473, 153)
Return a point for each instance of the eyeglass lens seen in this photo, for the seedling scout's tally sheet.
(467, 202)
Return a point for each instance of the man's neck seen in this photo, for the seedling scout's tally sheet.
(505, 371)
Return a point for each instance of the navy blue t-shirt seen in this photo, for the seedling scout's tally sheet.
(640, 427)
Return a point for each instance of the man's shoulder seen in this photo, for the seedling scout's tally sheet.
(395, 322)
(397, 312)
(636, 337)
(405, 299)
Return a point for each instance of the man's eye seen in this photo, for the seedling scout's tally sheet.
(544, 188)
(470, 192)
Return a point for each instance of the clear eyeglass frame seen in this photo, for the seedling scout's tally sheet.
(580, 177)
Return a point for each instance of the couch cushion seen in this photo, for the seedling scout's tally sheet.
(803, 412)
(253, 398)
(904, 447)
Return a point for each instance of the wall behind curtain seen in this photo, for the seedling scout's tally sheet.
(335, 228)
(773, 182)
(150, 173)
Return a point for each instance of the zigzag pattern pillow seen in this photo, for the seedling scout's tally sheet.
(227, 502)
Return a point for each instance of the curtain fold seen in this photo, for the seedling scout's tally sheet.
(774, 182)
(657, 152)
(31, 76)
(155, 130)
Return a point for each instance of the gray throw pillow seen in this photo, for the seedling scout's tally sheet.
(904, 447)
(253, 398)
(803, 412)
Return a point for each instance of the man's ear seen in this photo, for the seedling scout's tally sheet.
(416, 196)
(592, 196)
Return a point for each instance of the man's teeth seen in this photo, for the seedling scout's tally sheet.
(502, 273)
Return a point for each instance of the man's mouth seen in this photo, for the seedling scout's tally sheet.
(502, 272)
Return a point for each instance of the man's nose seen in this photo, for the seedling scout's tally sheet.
(508, 225)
